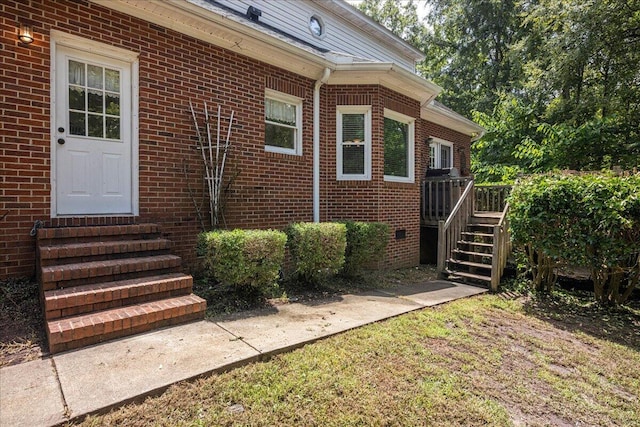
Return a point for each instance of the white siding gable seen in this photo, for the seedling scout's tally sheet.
(292, 17)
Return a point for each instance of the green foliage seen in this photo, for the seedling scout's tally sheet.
(554, 82)
(317, 249)
(590, 220)
(366, 243)
(243, 257)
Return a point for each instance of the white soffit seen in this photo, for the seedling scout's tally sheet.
(448, 118)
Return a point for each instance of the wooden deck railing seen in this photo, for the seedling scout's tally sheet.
(439, 196)
(491, 198)
(501, 248)
(450, 231)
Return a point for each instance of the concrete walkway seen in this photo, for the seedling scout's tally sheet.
(65, 386)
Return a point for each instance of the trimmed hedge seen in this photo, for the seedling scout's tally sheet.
(590, 220)
(366, 243)
(243, 257)
(317, 249)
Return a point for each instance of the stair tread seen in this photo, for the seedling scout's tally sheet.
(84, 298)
(96, 265)
(472, 253)
(473, 233)
(470, 263)
(61, 330)
(490, 255)
(467, 242)
(470, 275)
(93, 248)
(96, 231)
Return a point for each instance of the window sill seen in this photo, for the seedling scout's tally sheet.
(279, 150)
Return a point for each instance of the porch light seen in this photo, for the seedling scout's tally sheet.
(25, 34)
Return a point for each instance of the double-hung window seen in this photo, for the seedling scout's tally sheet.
(283, 123)
(399, 157)
(353, 138)
(440, 154)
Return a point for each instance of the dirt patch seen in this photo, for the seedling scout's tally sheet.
(22, 336)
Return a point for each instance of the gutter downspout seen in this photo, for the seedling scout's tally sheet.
(316, 143)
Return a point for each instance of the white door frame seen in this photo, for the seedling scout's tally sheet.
(79, 43)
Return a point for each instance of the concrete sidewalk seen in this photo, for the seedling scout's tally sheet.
(65, 386)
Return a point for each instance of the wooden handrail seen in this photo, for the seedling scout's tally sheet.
(468, 190)
(501, 248)
(450, 231)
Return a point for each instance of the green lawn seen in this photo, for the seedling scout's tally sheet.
(485, 360)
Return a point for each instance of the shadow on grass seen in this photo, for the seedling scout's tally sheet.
(576, 311)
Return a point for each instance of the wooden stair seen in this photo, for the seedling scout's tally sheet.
(103, 282)
(471, 260)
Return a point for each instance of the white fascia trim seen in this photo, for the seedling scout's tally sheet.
(386, 74)
(451, 120)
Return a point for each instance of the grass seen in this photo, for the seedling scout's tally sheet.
(487, 360)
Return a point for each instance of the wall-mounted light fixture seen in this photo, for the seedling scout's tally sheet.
(25, 33)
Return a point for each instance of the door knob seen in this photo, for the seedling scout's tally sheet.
(61, 141)
(60, 129)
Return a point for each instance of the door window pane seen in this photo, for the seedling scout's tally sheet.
(96, 126)
(113, 104)
(77, 125)
(95, 101)
(95, 76)
(76, 98)
(76, 73)
(113, 128)
(94, 111)
(445, 156)
(112, 80)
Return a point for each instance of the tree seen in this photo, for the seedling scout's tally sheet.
(556, 83)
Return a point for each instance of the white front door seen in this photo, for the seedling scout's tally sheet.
(92, 134)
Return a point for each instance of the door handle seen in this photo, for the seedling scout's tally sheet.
(61, 141)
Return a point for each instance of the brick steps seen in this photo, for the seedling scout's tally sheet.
(67, 275)
(79, 331)
(78, 252)
(101, 296)
(105, 282)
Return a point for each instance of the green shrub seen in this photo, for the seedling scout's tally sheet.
(317, 249)
(366, 243)
(243, 257)
(590, 220)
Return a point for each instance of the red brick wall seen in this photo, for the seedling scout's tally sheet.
(461, 147)
(397, 204)
(269, 190)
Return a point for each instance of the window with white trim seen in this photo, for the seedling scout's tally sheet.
(440, 154)
(283, 123)
(399, 159)
(353, 142)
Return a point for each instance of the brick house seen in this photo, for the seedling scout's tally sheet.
(311, 83)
